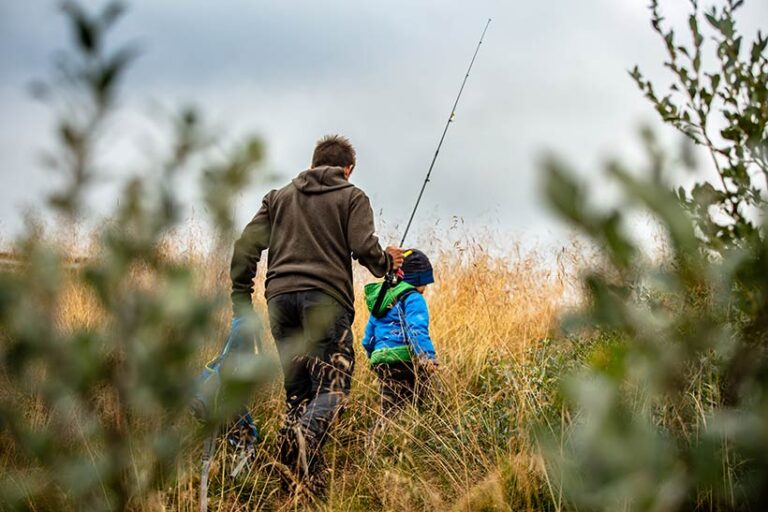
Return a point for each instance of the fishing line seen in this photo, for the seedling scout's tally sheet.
(390, 279)
(442, 137)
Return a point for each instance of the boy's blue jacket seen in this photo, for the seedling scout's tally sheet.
(384, 340)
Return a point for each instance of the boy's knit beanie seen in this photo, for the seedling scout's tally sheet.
(417, 268)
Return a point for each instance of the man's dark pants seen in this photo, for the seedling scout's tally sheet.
(313, 334)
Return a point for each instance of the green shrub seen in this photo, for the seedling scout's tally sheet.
(91, 414)
(674, 416)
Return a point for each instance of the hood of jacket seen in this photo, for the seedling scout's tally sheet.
(321, 180)
(372, 293)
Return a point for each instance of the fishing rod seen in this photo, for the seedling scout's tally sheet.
(390, 278)
(442, 137)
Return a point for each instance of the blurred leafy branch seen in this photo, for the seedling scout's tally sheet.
(723, 109)
(673, 413)
(90, 414)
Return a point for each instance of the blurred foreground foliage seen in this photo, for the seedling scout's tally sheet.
(673, 413)
(669, 410)
(90, 414)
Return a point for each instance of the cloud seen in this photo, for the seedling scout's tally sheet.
(551, 75)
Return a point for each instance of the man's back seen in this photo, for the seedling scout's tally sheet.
(313, 227)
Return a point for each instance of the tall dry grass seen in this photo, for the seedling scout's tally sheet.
(471, 448)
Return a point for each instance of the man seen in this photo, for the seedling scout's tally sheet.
(313, 228)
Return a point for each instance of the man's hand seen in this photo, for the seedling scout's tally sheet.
(396, 253)
(243, 332)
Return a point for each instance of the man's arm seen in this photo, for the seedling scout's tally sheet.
(363, 241)
(246, 256)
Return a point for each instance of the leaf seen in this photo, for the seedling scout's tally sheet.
(563, 192)
(705, 194)
(713, 20)
(758, 47)
(621, 250)
(688, 154)
(693, 24)
(111, 13)
(86, 34)
(714, 80)
(669, 39)
(737, 47)
(662, 202)
(731, 133)
(107, 79)
(70, 136)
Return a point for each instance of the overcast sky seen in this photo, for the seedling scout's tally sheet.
(550, 76)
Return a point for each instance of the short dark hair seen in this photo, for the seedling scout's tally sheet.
(333, 150)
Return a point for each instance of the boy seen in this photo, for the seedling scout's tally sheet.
(397, 338)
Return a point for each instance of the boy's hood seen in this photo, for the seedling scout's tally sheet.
(372, 293)
(320, 180)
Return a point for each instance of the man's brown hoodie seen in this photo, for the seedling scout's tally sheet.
(313, 228)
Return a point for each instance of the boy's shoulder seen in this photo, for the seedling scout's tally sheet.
(412, 298)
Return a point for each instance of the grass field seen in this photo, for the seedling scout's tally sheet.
(478, 444)
(473, 448)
